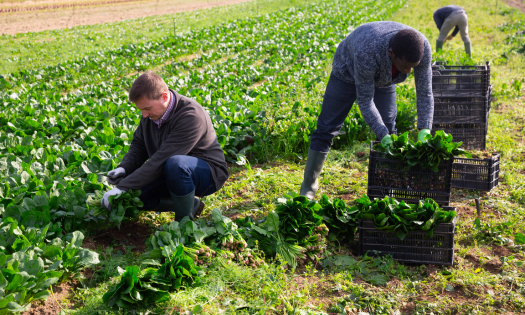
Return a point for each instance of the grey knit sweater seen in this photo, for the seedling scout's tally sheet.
(362, 59)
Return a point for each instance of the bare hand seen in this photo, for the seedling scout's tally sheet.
(450, 37)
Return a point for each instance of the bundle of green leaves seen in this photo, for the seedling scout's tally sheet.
(136, 288)
(428, 151)
(314, 245)
(341, 220)
(125, 204)
(389, 214)
(298, 217)
(153, 285)
(269, 238)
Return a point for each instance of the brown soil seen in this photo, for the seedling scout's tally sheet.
(360, 154)
(504, 251)
(130, 234)
(50, 306)
(408, 308)
(113, 11)
(518, 4)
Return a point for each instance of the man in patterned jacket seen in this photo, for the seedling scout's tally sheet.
(367, 64)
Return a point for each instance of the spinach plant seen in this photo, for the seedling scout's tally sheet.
(123, 205)
(428, 151)
(389, 214)
(342, 221)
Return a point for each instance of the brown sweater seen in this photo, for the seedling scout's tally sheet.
(187, 131)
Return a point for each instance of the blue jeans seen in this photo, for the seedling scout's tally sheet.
(182, 175)
(338, 100)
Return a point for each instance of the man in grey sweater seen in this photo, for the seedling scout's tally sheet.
(448, 18)
(174, 155)
(367, 64)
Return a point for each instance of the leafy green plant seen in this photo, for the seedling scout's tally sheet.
(389, 214)
(493, 232)
(153, 285)
(125, 204)
(428, 152)
(24, 278)
(342, 221)
(298, 217)
(178, 270)
(69, 256)
(136, 288)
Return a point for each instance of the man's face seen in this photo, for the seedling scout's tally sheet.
(153, 108)
(401, 64)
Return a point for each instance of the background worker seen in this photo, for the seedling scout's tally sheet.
(448, 18)
(174, 155)
(367, 64)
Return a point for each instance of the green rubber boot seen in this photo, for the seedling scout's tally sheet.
(314, 165)
(439, 45)
(187, 205)
(468, 49)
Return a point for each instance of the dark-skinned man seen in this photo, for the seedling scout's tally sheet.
(174, 155)
(448, 18)
(366, 67)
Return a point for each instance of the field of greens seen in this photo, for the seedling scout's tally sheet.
(258, 248)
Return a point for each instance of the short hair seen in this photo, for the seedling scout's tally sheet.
(408, 43)
(148, 84)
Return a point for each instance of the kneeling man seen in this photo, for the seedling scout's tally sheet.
(174, 155)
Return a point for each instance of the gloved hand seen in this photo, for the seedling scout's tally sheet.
(105, 200)
(116, 175)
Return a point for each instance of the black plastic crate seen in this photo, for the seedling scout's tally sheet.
(397, 179)
(473, 136)
(478, 174)
(460, 81)
(417, 247)
(461, 110)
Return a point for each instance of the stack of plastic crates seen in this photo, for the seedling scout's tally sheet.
(462, 101)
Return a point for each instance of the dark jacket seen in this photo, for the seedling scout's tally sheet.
(188, 130)
(440, 15)
(362, 59)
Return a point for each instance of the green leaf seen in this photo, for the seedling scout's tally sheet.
(519, 238)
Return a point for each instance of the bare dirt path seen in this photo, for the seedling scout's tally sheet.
(518, 4)
(69, 15)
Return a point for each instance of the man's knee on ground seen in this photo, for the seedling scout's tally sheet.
(175, 166)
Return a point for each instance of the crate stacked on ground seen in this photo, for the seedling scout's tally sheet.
(462, 101)
(397, 179)
(416, 247)
(477, 174)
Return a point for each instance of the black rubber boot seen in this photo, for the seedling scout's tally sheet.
(187, 205)
(314, 165)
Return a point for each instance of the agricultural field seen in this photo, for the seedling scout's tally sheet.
(259, 69)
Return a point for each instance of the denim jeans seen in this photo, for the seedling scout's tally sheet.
(338, 100)
(182, 175)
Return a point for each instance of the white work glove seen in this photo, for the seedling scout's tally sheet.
(116, 175)
(105, 200)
